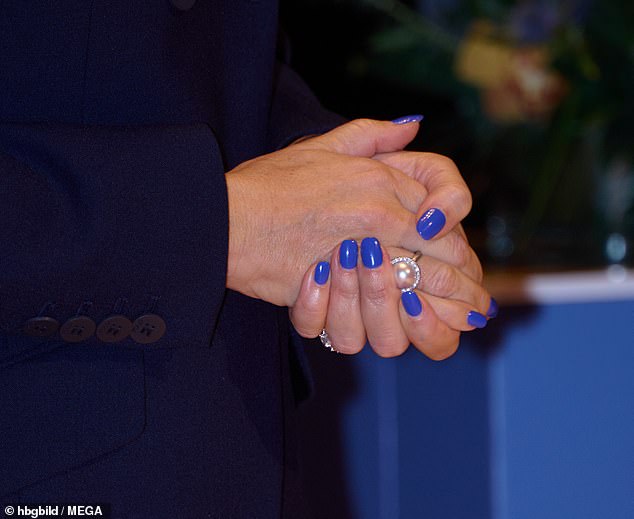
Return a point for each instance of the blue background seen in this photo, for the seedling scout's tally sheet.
(532, 418)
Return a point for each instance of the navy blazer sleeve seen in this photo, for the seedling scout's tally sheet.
(295, 111)
(115, 134)
(134, 217)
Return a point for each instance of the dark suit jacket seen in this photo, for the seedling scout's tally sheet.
(118, 119)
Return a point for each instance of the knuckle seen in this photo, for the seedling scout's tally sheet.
(444, 281)
(307, 332)
(461, 251)
(361, 124)
(462, 200)
(400, 225)
(377, 295)
(349, 347)
(390, 349)
(380, 212)
(443, 164)
(446, 162)
(371, 215)
(345, 287)
(459, 195)
(309, 310)
(378, 176)
(446, 349)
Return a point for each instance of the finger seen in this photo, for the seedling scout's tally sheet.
(424, 329)
(458, 315)
(452, 248)
(448, 200)
(397, 225)
(343, 321)
(366, 137)
(379, 301)
(409, 192)
(441, 279)
(308, 314)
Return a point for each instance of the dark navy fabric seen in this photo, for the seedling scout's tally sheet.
(118, 120)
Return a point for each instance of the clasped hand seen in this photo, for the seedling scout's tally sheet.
(314, 201)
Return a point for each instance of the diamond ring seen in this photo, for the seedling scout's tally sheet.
(325, 340)
(407, 272)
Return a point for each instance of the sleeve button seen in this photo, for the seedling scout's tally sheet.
(40, 327)
(114, 328)
(77, 329)
(148, 328)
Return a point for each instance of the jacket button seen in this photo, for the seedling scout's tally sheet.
(114, 329)
(40, 327)
(148, 328)
(183, 5)
(77, 329)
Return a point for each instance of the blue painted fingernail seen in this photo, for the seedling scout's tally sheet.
(411, 303)
(476, 319)
(371, 254)
(406, 119)
(431, 223)
(348, 253)
(322, 271)
(493, 309)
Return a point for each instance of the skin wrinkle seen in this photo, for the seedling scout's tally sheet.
(320, 190)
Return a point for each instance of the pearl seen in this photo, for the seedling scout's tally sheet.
(406, 273)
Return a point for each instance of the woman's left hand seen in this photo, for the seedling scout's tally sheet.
(357, 300)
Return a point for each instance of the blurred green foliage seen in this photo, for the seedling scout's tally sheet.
(547, 189)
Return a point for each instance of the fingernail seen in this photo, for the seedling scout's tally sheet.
(476, 319)
(371, 254)
(406, 119)
(322, 271)
(493, 309)
(411, 303)
(348, 253)
(431, 223)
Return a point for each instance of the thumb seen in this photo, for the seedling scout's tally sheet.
(367, 137)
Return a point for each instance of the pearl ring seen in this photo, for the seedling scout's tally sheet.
(407, 272)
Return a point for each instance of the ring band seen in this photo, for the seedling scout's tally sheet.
(407, 272)
(325, 340)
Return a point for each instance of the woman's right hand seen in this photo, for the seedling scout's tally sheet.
(287, 207)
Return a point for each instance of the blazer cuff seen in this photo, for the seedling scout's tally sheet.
(112, 220)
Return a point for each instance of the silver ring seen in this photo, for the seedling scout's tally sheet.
(407, 272)
(325, 340)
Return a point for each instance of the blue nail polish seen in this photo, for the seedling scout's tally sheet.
(406, 119)
(371, 254)
(411, 303)
(431, 223)
(322, 271)
(348, 254)
(476, 319)
(493, 309)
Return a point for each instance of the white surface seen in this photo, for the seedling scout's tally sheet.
(612, 284)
